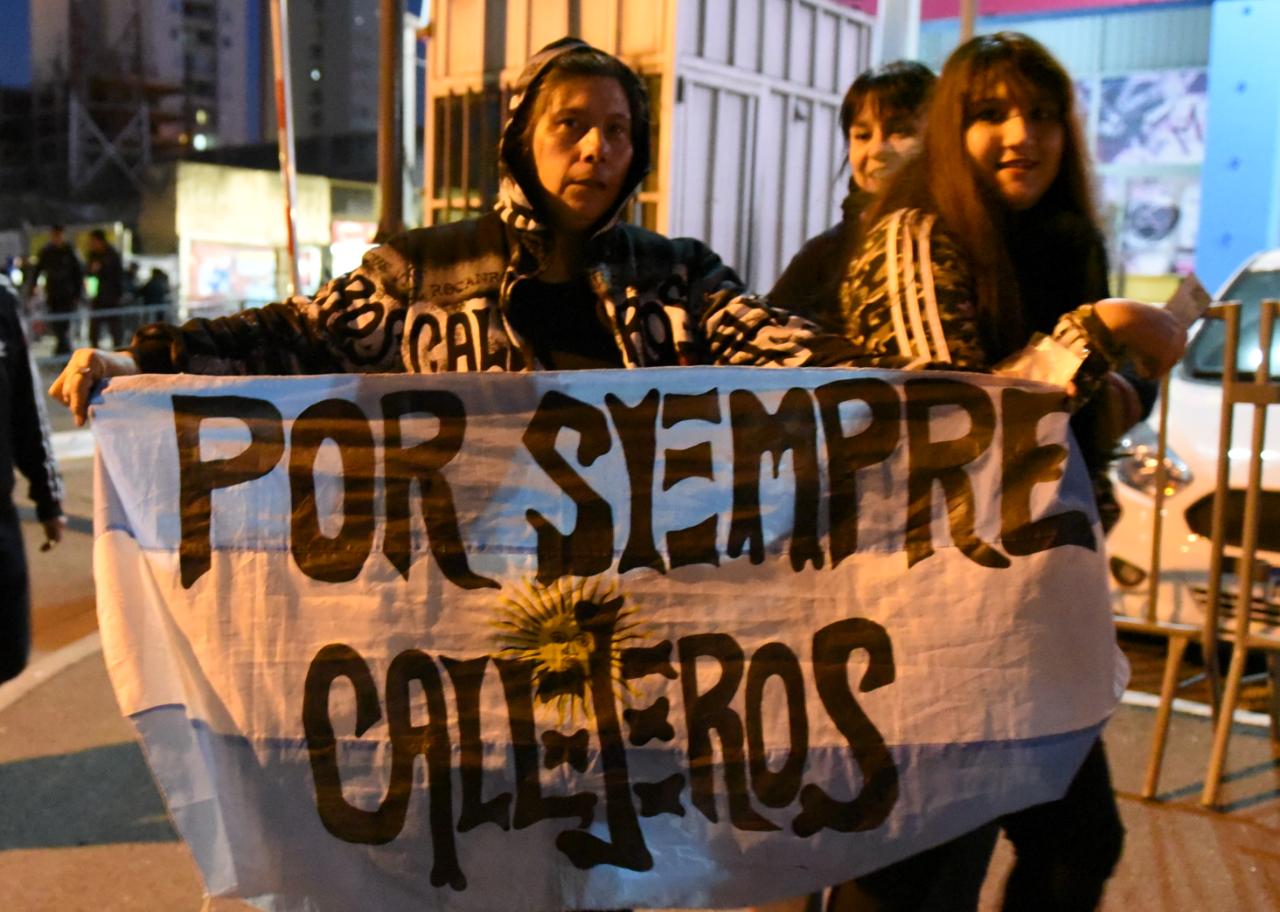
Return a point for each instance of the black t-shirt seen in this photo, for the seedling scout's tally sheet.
(559, 320)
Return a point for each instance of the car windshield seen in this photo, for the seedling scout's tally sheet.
(1204, 357)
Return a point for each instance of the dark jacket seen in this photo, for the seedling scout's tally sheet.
(437, 299)
(155, 291)
(24, 430)
(908, 301)
(107, 266)
(810, 285)
(63, 274)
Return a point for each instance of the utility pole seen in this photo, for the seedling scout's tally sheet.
(284, 129)
(390, 151)
(898, 35)
(968, 13)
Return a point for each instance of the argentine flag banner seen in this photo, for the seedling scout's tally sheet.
(686, 637)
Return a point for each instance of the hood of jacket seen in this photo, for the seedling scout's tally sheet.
(518, 187)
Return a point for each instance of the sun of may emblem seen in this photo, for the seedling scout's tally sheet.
(557, 627)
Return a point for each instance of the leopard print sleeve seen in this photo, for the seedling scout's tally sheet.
(907, 298)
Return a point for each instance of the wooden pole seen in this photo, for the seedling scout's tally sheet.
(284, 129)
(390, 152)
(428, 126)
(968, 15)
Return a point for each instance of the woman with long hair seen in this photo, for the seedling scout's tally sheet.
(984, 240)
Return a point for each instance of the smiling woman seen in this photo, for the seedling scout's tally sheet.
(982, 241)
(882, 118)
(1015, 138)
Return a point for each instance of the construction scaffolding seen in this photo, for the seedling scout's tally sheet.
(100, 117)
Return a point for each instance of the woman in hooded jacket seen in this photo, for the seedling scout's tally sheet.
(549, 280)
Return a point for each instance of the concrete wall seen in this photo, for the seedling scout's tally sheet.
(243, 206)
(746, 93)
(1240, 214)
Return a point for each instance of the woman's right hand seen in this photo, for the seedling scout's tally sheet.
(1153, 337)
(86, 367)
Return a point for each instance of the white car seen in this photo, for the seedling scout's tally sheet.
(1195, 401)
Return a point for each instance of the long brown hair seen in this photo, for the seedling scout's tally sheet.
(944, 179)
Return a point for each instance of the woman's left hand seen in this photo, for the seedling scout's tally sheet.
(52, 531)
(1154, 338)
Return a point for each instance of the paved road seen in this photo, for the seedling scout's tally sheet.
(62, 579)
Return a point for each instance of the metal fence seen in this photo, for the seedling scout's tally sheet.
(116, 324)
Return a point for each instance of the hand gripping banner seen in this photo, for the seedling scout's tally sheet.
(690, 637)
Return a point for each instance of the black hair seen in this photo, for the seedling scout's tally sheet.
(588, 61)
(902, 86)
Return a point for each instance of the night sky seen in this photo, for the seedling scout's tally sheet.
(15, 43)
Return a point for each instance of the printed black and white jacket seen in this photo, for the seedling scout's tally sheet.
(436, 299)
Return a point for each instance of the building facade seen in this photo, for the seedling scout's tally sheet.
(117, 84)
(746, 98)
(333, 62)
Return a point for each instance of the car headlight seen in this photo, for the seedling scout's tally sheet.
(1137, 466)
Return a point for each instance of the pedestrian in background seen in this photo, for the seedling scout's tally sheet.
(24, 444)
(131, 298)
(63, 284)
(154, 295)
(106, 266)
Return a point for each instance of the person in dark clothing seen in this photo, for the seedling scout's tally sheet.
(131, 297)
(881, 117)
(24, 444)
(63, 284)
(105, 264)
(154, 293)
(551, 280)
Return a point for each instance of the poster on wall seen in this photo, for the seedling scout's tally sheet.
(1157, 218)
(1084, 98)
(1153, 118)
